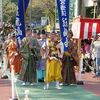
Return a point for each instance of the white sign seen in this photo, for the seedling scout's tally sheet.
(88, 3)
(1, 19)
(43, 21)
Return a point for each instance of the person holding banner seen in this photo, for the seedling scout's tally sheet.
(69, 61)
(53, 64)
(29, 50)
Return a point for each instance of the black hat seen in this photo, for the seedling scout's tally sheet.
(39, 32)
(43, 31)
(13, 35)
(34, 31)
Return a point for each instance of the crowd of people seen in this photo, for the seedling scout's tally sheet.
(91, 55)
(41, 58)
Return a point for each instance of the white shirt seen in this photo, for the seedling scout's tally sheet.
(61, 46)
(97, 48)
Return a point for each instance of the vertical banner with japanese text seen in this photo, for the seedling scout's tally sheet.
(20, 17)
(63, 12)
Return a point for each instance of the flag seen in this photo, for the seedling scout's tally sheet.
(85, 28)
(20, 17)
(63, 13)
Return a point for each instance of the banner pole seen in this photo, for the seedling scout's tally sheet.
(80, 82)
(55, 17)
(13, 84)
(30, 15)
(1, 14)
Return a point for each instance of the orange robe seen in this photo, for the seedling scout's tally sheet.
(14, 57)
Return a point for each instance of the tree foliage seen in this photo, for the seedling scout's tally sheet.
(43, 8)
(49, 9)
(40, 8)
(9, 11)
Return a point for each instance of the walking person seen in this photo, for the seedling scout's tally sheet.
(68, 62)
(53, 63)
(41, 62)
(29, 51)
(13, 55)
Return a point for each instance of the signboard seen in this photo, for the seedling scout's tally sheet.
(63, 12)
(43, 21)
(71, 13)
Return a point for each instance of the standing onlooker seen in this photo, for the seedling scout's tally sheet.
(5, 61)
(87, 59)
(96, 46)
(92, 51)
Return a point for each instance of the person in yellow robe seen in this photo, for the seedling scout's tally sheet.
(53, 63)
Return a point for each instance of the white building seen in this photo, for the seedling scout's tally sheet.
(85, 8)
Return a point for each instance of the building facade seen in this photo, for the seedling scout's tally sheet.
(87, 8)
(98, 8)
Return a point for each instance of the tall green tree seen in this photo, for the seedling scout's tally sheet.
(41, 8)
(49, 9)
(9, 11)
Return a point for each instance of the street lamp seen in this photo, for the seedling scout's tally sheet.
(94, 4)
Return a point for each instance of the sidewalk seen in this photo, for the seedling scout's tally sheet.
(91, 84)
(5, 89)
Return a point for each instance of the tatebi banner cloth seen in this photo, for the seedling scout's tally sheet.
(20, 24)
(63, 12)
(85, 28)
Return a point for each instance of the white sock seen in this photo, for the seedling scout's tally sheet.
(46, 86)
(57, 83)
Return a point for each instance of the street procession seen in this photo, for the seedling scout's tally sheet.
(49, 50)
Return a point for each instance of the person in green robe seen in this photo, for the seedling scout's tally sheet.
(30, 53)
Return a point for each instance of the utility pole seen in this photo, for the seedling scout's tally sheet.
(55, 24)
(1, 14)
(98, 8)
(30, 16)
(76, 13)
(95, 5)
